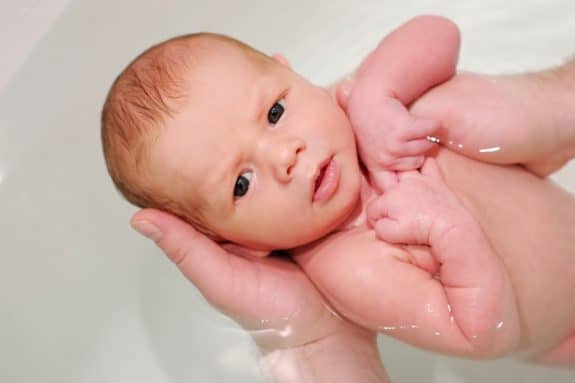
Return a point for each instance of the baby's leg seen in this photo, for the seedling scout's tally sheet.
(527, 119)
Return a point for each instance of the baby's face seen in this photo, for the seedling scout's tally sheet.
(272, 156)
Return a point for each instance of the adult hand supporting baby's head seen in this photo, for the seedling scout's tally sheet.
(275, 301)
(270, 297)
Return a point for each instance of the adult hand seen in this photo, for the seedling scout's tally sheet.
(523, 119)
(272, 299)
(505, 119)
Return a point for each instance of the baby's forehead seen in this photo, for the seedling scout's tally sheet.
(228, 80)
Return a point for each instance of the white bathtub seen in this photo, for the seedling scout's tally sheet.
(82, 297)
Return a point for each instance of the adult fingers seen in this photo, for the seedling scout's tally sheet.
(209, 267)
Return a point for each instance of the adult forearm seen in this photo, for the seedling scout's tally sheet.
(343, 357)
(566, 73)
(563, 80)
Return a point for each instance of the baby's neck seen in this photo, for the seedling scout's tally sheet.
(356, 219)
(358, 216)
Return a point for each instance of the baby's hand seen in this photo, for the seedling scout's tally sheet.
(419, 210)
(389, 138)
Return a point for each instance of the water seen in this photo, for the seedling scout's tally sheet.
(86, 300)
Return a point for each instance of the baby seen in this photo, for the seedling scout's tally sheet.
(256, 157)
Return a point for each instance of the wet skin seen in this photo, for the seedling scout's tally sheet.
(530, 223)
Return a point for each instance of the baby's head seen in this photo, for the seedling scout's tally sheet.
(231, 140)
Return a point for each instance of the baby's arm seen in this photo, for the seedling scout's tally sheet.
(479, 316)
(409, 61)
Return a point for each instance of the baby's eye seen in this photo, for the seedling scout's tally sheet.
(243, 184)
(276, 112)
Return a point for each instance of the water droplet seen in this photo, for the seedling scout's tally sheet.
(500, 324)
(490, 150)
(287, 331)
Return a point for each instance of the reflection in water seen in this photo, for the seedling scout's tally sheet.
(401, 327)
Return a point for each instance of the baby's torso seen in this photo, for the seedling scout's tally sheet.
(529, 222)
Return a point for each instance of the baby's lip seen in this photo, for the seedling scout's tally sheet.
(323, 184)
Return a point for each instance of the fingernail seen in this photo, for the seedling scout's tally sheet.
(147, 229)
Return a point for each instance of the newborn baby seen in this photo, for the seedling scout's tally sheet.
(260, 159)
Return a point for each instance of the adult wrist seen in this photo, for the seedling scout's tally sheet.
(343, 357)
(566, 74)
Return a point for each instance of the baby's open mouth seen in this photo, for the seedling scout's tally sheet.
(326, 180)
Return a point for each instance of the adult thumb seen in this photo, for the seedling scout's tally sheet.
(198, 257)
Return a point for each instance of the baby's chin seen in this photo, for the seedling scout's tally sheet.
(346, 213)
(292, 241)
(351, 216)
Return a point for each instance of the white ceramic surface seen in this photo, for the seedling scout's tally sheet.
(83, 298)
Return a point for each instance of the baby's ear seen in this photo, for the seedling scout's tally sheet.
(281, 59)
(244, 251)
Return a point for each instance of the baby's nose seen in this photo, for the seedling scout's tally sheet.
(283, 156)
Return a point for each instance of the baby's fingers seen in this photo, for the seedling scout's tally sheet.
(431, 170)
(392, 231)
(377, 209)
(401, 231)
(403, 164)
(384, 180)
(414, 147)
(421, 129)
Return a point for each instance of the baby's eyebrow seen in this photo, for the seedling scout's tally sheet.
(221, 176)
(257, 99)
